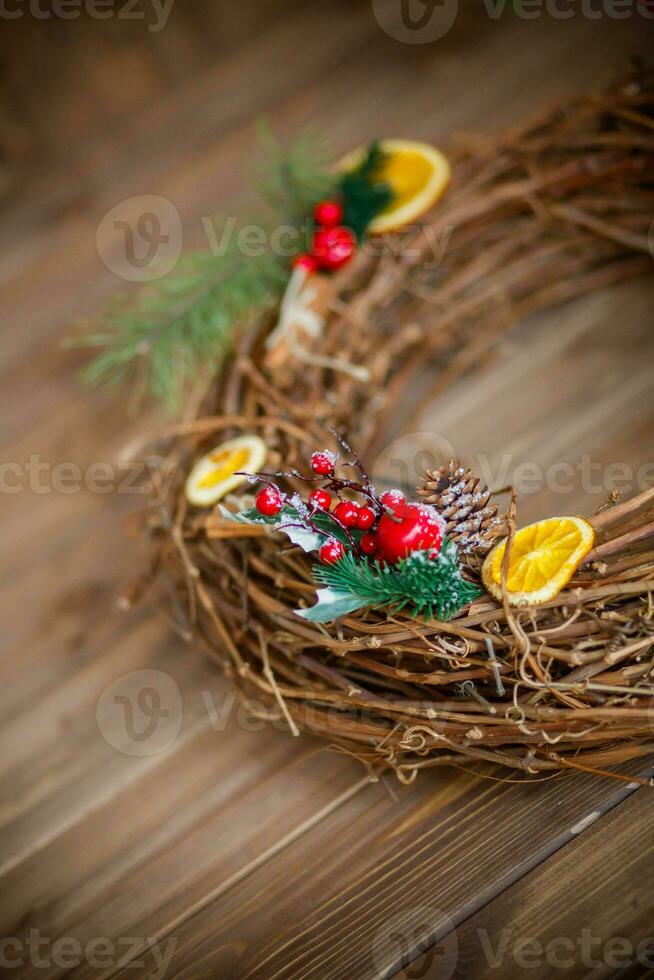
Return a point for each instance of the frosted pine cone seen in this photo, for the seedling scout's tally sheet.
(463, 502)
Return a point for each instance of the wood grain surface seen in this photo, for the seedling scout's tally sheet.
(236, 850)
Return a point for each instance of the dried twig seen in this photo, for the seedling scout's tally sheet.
(557, 208)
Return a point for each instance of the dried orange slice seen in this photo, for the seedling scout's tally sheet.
(216, 473)
(417, 173)
(543, 559)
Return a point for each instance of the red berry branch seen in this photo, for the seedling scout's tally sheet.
(333, 244)
(386, 528)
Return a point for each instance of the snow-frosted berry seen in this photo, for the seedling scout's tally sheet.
(392, 498)
(368, 544)
(320, 500)
(269, 501)
(418, 528)
(322, 463)
(328, 213)
(331, 552)
(366, 518)
(347, 512)
(333, 247)
(305, 261)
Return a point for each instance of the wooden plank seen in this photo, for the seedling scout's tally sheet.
(583, 912)
(95, 842)
(564, 386)
(328, 904)
(185, 820)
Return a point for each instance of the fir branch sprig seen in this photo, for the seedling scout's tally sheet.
(364, 193)
(293, 177)
(184, 324)
(431, 584)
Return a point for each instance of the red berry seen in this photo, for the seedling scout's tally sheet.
(320, 500)
(331, 552)
(333, 247)
(328, 213)
(269, 501)
(419, 528)
(305, 261)
(366, 518)
(347, 512)
(368, 544)
(392, 499)
(323, 463)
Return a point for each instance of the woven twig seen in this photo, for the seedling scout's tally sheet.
(559, 208)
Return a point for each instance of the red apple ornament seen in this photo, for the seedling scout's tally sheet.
(392, 499)
(413, 527)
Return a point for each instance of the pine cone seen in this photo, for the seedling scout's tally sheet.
(463, 501)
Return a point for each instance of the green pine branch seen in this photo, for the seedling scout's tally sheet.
(181, 327)
(434, 587)
(174, 331)
(365, 195)
(293, 178)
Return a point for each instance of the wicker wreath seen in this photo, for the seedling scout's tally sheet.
(554, 210)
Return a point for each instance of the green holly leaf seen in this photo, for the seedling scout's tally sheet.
(290, 522)
(331, 604)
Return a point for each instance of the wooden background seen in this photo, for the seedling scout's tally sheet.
(246, 853)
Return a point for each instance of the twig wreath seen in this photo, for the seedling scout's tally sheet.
(434, 631)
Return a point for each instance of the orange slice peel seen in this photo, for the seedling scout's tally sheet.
(418, 174)
(220, 471)
(543, 559)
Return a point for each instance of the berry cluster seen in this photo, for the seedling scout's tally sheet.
(386, 528)
(333, 244)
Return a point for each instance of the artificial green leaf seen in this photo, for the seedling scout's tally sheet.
(331, 604)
